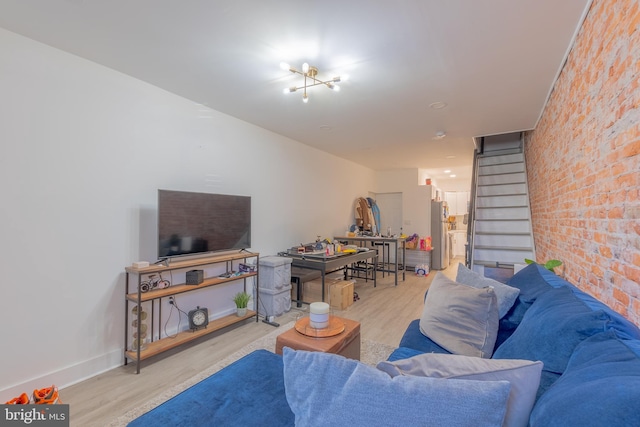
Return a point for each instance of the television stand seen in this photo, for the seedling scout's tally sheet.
(134, 349)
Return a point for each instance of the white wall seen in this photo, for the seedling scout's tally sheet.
(85, 149)
(416, 199)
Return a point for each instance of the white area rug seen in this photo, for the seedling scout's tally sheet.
(370, 353)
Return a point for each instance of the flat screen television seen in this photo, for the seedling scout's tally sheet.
(194, 223)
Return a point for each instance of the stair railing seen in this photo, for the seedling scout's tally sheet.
(471, 216)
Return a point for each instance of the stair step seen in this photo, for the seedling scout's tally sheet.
(507, 178)
(507, 241)
(501, 189)
(503, 226)
(500, 169)
(502, 158)
(494, 264)
(510, 213)
(501, 207)
(504, 248)
(502, 201)
(503, 256)
(500, 195)
(502, 233)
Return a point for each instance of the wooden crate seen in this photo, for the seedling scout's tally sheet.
(338, 292)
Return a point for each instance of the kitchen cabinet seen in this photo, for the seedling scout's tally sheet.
(457, 202)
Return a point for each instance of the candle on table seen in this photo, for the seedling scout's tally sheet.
(319, 315)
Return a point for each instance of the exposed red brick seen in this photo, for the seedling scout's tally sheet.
(585, 198)
(621, 296)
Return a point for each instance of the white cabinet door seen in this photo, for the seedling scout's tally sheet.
(452, 201)
(457, 201)
(462, 197)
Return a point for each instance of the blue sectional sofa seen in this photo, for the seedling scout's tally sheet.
(591, 354)
(590, 375)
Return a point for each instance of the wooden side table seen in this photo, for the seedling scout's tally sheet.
(346, 344)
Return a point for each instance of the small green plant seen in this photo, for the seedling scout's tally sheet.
(241, 299)
(549, 265)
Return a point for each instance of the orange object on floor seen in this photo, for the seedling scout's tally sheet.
(23, 399)
(46, 396)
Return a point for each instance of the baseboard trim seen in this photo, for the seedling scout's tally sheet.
(68, 376)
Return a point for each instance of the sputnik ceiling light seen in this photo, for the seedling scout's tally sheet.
(309, 73)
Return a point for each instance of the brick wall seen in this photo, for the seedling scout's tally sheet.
(583, 160)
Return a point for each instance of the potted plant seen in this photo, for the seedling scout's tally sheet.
(549, 265)
(242, 300)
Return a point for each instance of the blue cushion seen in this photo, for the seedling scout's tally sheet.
(249, 392)
(415, 339)
(531, 284)
(550, 330)
(402, 353)
(623, 326)
(601, 386)
(329, 390)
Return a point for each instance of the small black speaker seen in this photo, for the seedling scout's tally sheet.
(195, 277)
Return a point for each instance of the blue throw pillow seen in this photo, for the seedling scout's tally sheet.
(624, 328)
(531, 284)
(550, 330)
(600, 387)
(329, 390)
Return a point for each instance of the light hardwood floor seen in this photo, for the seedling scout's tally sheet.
(384, 313)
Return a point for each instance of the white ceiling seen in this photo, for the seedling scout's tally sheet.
(493, 62)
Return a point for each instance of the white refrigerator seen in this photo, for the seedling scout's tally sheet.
(439, 236)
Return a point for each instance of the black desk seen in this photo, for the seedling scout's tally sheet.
(396, 242)
(331, 263)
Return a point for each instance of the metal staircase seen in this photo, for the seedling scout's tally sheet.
(500, 230)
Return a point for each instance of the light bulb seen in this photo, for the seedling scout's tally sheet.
(284, 66)
(336, 88)
(305, 68)
(305, 98)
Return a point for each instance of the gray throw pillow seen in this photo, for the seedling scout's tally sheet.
(506, 294)
(460, 318)
(325, 389)
(523, 375)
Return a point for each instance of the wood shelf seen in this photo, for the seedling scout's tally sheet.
(181, 288)
(231, 260)
(156, 347)
(177, 265)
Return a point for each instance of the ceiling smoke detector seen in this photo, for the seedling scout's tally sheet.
(440, 135)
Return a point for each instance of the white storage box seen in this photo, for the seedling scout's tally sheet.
(274, 272)
(274, 302)
(416, 257)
